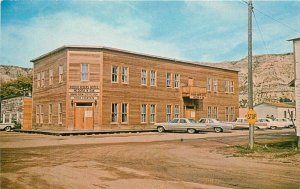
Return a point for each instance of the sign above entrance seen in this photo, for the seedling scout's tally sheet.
(84, 92)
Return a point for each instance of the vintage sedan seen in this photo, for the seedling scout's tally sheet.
(215, 125)
(7, 126)
(284, 122)
(242, 123)
(180, 124)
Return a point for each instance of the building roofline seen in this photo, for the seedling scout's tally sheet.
(294, 39)
(123, 51)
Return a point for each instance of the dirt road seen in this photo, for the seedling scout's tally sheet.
(195, 162)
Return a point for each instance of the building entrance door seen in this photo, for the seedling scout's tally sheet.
(190, 113)
(84, 116)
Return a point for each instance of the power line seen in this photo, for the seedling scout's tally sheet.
(261, 35)
(270, 17)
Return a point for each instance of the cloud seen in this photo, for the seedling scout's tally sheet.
(21, 43)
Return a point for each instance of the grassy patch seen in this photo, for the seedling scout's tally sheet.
(269, 147)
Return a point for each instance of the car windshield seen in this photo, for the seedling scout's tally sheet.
(192, 121)
(214, 121)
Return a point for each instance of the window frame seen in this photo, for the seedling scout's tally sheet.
(209, 112)
(60, 111)
(143, 114)
(168, 113)
(215, 85)
(87, 74)
(38, 79)
(50, 77)
(43, 79)
(231, 87)
(114, 114)
(60, 73)
(176, 111)
(144, 77)
(114, 75)
(50, 112)
(152, 113)
(177, 80)
(208, 84)
(123, 75)
(152, 79)
(124, 113)
(168, 80)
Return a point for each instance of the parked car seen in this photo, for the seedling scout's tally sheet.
(242, 123)
(180, 124)
(7, 126)
(284, 122)
(266, 123)
(215, 125)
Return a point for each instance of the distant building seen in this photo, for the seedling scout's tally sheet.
(278, 110)
(101, 88)
(17, 109)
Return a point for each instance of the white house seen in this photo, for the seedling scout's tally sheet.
(278, 110)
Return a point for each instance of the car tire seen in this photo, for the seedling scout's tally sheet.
(160, 129)
(273, 127)
(256, 128)
(218, 129)
(291, 126)
(8, 128)
(191, 131)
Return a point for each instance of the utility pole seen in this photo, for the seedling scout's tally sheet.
(250, 81)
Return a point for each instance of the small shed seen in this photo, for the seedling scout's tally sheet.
(278, 110)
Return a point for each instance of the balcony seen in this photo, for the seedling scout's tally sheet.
(194, 92)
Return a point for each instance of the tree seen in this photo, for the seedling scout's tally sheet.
(20, 86)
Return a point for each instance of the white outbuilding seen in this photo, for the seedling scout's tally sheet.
(278, 110)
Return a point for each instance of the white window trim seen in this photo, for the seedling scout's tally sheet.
(141, 114)
(178, 111)
(50, 113)
(168, 113)
(167, 80)
(60, 74)
(127, 115)
(177, 81)
(127, 75)
(208, 84)
(116, 74)
(117, 117)
(60, 118)
(155, 76)
(215, 85)
(143, 84)
(153, 113)
(50, 77)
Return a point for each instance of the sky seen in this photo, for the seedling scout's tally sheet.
(204, 31)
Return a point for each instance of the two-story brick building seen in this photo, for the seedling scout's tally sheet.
(101, 88)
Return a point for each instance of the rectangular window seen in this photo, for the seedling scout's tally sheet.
(41, 114)
(208, 84)
(169, 113)
(38, 79)
(209, 112)
(50, 114)
(231, 87)
(60, 113)
(43, 79)
(231, 114)
(84, 72)
(176, 80)
(176, 111)
(226, 114)
(152, 78)
(37, 114)
(215, 112)
(60, 74)
(152, 113)
(114, 113)
(50, 77)
(124, 74)
(143, 113)
(215, 83)
(226, 86)
(168, 80)
(143, 77)
(124, 113)
(114, 74)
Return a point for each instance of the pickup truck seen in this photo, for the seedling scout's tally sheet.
(7, 126)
